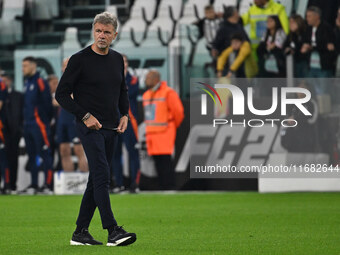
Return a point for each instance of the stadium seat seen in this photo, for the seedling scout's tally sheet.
(189, 14)
(71, 44)
(200, 5)
(44, 9)
(244, 6)
(185, 31)
(202, 55)
(10, 27)
(163, 24)
(135, 26)
(219, 4)
(153, 40)
(148, 7)
(174, 7)
(124, 42)
(71, 39)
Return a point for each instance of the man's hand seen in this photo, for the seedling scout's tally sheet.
(93, 123)
(271, 46)
(122, 124)
(214, 53)
(330, 46)
(305, 47)
(229, 74)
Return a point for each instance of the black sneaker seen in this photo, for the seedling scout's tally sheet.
(30, 190)
(117, 190)
(83, 238)
(119, 237)
(46, 190)
(134, 189)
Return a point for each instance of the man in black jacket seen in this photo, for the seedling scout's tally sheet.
(14, 126)
(232, 24)
(95, 77)
(319, 45)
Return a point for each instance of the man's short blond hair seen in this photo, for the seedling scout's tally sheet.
(106, 18)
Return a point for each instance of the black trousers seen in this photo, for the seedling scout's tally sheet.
(12, 151)
(98, 146)
(165, 171)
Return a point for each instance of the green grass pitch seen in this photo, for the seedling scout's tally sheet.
(183, 223)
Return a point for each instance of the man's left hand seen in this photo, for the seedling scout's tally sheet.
(122, 124)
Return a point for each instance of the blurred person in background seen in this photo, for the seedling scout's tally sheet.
(38, 113)
(337, 32)
(163, 113)
(66, 136)
(234, 58)
(209, 25)
(4, 170)
(319, 47)
(230, 25)
(14, 126)
(257, 16)
(294, 43)
(52, 80)
(271, 58)
(129, 138)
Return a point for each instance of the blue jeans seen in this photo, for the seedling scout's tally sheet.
(320, 85)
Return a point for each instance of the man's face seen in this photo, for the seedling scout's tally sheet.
(235, 17)
(7, 81)
(103, 35)
(236, 44)
(53, 84)
(209, 14)
(312, 18)
(149, 80)
(28, 68)
(260, 3)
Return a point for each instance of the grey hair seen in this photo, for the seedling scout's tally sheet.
(315, 9)
(106, 18)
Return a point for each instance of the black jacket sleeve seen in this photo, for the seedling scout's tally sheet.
(66, 87)
(123, 97)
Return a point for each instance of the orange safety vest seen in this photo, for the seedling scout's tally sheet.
(156, 112)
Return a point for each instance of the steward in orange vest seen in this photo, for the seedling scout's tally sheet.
(163, 114)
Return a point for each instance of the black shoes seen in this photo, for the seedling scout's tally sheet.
(83, 238)
(119, 237)
(30, 190)
(46, 190)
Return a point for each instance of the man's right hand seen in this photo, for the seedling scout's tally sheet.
(93, 123)
(305, 48)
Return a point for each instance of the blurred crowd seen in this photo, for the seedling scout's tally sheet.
(271, 36)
